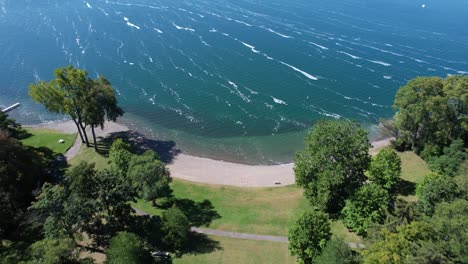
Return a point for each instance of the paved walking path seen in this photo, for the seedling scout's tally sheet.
(214, 232)
(239, 235)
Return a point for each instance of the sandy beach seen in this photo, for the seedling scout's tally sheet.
(203, 170)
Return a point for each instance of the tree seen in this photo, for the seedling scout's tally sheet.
(367, 206)
(53, 251)
(119, 157)
(436, 189)
(336, 251)
(396, 248)
(64, 95)
(432, 111)
(87, 201)
(332, 165)
(449, 163)
(127, 248)
(309, 235)
(101, 106)
(22, 170)
(385, 169)
(149, 176)
(175, 229)
(73, 93)
(9, 126)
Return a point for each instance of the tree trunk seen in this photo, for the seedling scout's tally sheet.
(79, 131)
(85, 134)
(94, 138)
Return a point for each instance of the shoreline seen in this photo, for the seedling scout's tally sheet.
(205, 170)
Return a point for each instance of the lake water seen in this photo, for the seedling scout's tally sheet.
(238, 80)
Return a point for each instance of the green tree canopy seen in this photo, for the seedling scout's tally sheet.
(336, 251)
(175, 229)
(385, 169)
(73, 93)
(367, 206)
(53, 251)
(127, 248)
(449, 163)
(435, 189)
(21, 170)
(332, 165)
(309, 235)
(432, 111)
(149, 176)
(119, 157)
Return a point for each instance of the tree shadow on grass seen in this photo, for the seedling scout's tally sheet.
(165, 149)
(200, 244)
(198, 213)
(405, 188)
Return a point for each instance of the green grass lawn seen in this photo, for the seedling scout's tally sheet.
(268, 211)
(49, 138)
(91, 156)
(413, 168)
(242, 251)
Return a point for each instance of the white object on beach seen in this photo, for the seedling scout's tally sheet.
(61, 141)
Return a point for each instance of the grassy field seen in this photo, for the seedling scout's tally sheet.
(90, 156)
(49, 138)
(413, 168)
(242, 251)
(268, 211)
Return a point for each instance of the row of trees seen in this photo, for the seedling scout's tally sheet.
(341, 181)
(88, 102)
(86, 203)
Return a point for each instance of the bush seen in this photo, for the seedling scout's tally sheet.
(367, 206)
(309, 235)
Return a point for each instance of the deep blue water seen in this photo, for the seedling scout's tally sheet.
(237, 80)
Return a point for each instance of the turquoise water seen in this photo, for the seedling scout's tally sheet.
(235, 80)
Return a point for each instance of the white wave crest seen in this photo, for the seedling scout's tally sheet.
(158, 30)
(278, 101)
(252, 48)
(381, 63)
(308, 75)
(317, 45)
(183, 28)
(350, 55)
(89, 6)
(132, 25)
(279, 34)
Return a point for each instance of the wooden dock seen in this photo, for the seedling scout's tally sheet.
(10, 108)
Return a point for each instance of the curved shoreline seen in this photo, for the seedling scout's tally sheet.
(205, 170)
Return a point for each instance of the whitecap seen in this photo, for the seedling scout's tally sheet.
(381, 63)
(317, 45)
(158, 30)
(132, 25)
(213, 30)
(350, 55)
(183, 28)
(252, 48)
(242, 22)
(279, 34)
(89, 6)
(387, 77)
(278, 101)
(308, 75)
